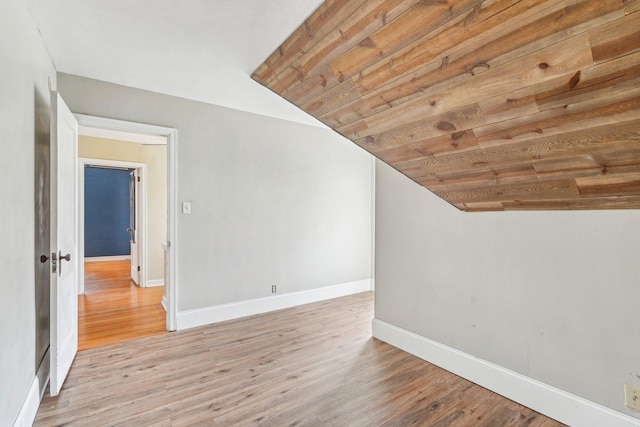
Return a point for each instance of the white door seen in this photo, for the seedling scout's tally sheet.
(64, 244)
(133, 226)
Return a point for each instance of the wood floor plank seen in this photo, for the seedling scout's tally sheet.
(314, 365)
(113, 309)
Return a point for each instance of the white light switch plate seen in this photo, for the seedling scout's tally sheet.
(632, 396)
(186, 207)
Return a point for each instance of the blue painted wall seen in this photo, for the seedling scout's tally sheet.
(106, 212)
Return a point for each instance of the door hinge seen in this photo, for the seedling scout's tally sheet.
(138, 179)
(54, 262)
(138, 268)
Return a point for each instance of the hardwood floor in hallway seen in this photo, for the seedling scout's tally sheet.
(113, 309)
(311, 365)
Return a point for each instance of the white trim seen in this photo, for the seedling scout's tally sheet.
(142, 224)
(112, 163)
(137, 138)
(546, 399)
(218, 313)
(171, 135)
(164, 302)
(29, 409)
(121, 130)
(171, 288)
(373, 223)
(106, 258)
(151, 283)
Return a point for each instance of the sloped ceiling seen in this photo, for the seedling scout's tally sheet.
(204, 50)
(492, 105)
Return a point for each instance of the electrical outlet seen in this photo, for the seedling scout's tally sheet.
(274, 289)
(632, 396)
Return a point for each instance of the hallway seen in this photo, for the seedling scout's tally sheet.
(113, 309)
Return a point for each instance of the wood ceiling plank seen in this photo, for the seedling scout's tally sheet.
(626, 202)
(534, 190)
(481, 206)
(558, 101)
(564, 164)
(588, 166)
(324, 19)
(604, 80)
(559, 120)
(511, 105)
(310, 88)
(501, 174)
(622, 137)
(609, 185)
(523, 41)
(333, 98)
(371, 16)
(431, 127)
(629, 156)
(610, 80)
(594, 171)
(631, 6)
(446, 144)
(460, 35)
(330, 27)
(570, 55)
(297, 77)
(421, 19)
(616, 38)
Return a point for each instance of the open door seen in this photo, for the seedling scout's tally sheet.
(64, 244)
(133, 226)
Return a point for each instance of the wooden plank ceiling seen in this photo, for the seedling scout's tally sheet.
(492, 105)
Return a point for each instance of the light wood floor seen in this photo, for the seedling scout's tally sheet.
(313, 365)
(113, 309)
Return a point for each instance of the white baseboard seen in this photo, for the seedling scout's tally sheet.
(151, 283)
(29, 408)
(218, 313)
(548, 400)
(107, 258)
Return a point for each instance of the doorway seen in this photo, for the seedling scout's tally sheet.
(122, 259)
(117, 302)
(113, 207)
(149, 276)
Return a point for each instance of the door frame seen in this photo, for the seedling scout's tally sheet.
(141, 168)
(152, 132)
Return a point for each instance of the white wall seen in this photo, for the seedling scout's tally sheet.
(25, 69)
(550, 295)
(155, 158)
(273, 202)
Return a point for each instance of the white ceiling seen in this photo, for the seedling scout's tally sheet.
(203, 50)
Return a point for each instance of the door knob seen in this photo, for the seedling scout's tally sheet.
(67, 257)
(44, 258)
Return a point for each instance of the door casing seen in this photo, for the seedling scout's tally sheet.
(142, 252)
(153, 132)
